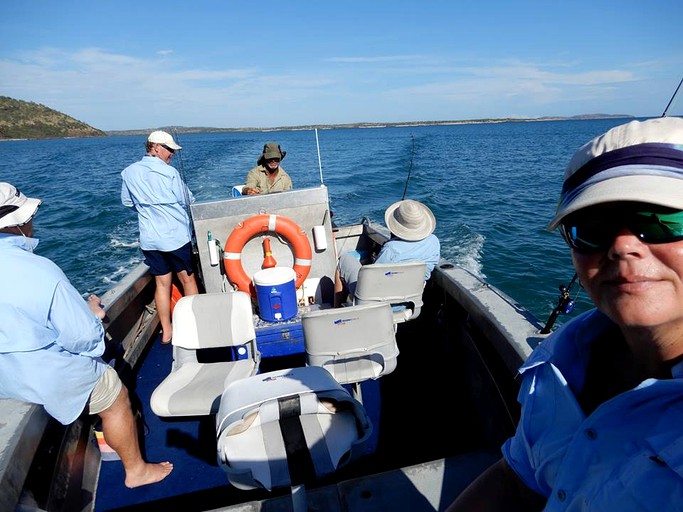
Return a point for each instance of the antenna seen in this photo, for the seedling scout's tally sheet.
(320, 165)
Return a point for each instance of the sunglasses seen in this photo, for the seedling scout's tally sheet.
(272, 159)
(170, 150)
(593, 232)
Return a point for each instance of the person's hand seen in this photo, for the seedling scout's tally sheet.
(251, 191)
(95, 304)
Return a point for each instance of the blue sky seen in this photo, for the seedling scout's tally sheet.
(136, 65)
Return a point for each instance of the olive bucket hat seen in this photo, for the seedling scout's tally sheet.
(271, 150)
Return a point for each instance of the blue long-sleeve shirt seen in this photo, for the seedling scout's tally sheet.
(627, 454)
(158, 194)
(50, 340)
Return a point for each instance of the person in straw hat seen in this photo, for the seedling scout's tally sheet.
(412, 225)
(602, 397)
(51, 342)
(268, 176)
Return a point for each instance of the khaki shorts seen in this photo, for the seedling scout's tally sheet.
(106, 392)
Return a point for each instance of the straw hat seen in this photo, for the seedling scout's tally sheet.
(410, 220)
(641, 161)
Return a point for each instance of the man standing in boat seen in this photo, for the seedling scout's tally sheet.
(156, 191)
(602, 397)
(51, 342)
(268, 176)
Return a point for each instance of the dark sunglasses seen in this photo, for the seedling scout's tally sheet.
(170, 150)
(272, 159)
(593, 232)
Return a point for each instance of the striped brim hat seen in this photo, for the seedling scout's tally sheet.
(641, 161)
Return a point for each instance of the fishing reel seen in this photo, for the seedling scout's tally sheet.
(565, 303)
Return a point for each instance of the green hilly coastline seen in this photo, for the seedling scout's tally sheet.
(27, 120)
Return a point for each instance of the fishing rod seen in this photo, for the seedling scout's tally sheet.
(565, 305)
(410, 168)
(186, 195)
(672, 98)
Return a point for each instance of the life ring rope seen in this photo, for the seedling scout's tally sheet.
(262, 224)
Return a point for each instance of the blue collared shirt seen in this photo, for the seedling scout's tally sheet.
(396, 250)
(626, 455)
(50, 340)
(157, 193)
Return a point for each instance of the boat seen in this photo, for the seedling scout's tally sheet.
(437, 405)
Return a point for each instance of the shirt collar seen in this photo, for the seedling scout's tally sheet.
(23, 242)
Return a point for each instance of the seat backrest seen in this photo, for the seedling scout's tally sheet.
(287, 428)
(399, 284)
(214, 342)
(353, 343)
(212, 320)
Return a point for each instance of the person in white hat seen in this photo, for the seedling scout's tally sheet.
(602, 397)
(412, 225)
(268, 176)
(51, 342)
(157, 193)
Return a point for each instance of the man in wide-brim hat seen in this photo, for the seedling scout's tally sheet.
(268, 176)
(412, 225)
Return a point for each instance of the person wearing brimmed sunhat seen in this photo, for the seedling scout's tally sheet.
(412, 225)
(601, 426)
(268, 176)
(51, 342)
(157, 193)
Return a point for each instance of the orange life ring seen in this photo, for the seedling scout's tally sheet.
(261, 224)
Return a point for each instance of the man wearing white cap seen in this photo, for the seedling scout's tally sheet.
(412, 225)
(156, 191)
(51, 342)
(601, 426)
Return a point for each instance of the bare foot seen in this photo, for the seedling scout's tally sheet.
(95, 304)
(150, 474)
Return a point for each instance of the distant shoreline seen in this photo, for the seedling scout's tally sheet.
(206, 129)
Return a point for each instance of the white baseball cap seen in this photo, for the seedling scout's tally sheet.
(160, 137)
(15, 208)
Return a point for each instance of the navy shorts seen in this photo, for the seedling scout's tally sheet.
(162, 262)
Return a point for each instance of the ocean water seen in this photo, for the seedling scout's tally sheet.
(492, 187)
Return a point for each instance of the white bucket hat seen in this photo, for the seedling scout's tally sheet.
(641, 161)
(410, 220)
(164, 138)
(15, 208)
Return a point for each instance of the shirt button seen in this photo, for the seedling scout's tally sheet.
(591, 434)
(561, 495)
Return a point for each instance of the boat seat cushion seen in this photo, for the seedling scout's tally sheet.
(288, 427)
(195, 389)
(261, 446)
(214, 343)
(353, 343)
